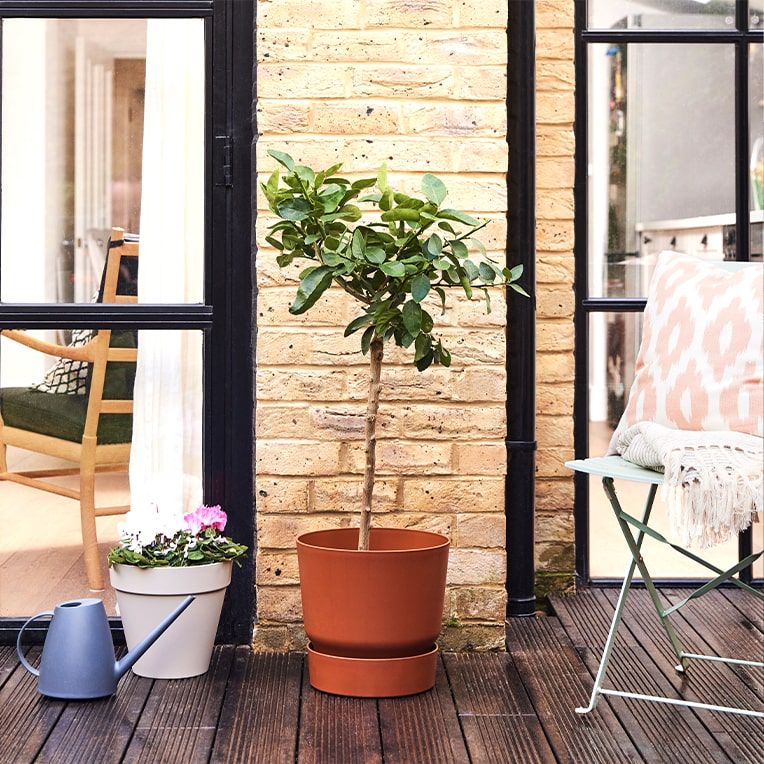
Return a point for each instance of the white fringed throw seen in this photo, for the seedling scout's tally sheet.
(713, 480)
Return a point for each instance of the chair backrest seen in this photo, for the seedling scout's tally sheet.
(112, 373)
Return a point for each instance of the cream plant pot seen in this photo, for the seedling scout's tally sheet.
(146, 595)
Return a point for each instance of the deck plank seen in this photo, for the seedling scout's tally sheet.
(661, 732)
(261, 710)
(557, 681)
(495, 712)
(8, 663)
(336, 729)
(26, 717)
(739, 735)
(747, 604)
(98, 730)
(180, 716)
(423, 728)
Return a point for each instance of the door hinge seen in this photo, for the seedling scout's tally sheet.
(223, 160)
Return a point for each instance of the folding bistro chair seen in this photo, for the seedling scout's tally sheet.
(613, 468)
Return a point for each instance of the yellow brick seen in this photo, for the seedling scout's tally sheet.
(409, 13)
(554, 13)
(557, 336)
(555, 43)
(344, 495)
(478, 603)
(554, 398)
(282, 117)
(348, 422)
(555, 173)
(402, 81)
(555, 367)
(555, 236)
(481, 156)
(273, 308)
(555, 108)
(555, 303)
(308, 14)
(448, 423)
(277, 569)
(453, 495)
(478, 637)
(476, 193)
(555, 526)
(282, 421)
(480, 458)
(481, 13)
(555, 141)
(440, 523)
(554, 557)
(483, 83)
(550, 462)
(457, 119)
(302, 80)
(476, 566)
(280, 603)
(364, 117)
(555, 75)
(554, 430)
(554, 268)
(281, 531)
(399, 457)
(300, 384)
(281, 494)
(554, 494)
(483, 530)
(277, 45)
(297, 457)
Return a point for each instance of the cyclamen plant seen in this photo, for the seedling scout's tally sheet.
(417, 248)
(152, 539)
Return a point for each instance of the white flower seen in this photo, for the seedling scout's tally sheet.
(143, 524)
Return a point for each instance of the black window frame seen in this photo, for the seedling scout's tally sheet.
(741, 38)
(226, 316)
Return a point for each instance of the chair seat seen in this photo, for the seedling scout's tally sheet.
(59, 416)
(617, 468)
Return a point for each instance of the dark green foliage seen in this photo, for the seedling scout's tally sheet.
(391, 264)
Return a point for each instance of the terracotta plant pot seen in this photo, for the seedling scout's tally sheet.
(146, 595)
(372, 617)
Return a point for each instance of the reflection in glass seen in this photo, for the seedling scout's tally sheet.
(661, 14)
(756, 164)
(756, 14)
(614, 340)
(661, 159)
(144, 410)
(87, 107)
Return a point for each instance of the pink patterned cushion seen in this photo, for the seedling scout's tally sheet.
(700, 364)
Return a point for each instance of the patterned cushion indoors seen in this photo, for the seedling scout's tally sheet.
(700, 364)
(67, 376)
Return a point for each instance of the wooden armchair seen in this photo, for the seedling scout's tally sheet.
(95, 429)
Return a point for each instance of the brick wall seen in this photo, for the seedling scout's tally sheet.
(555, 105)
(421, 85)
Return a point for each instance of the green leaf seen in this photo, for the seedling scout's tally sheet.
(284, 259)
(273, 182)
(442, 294)
(359, 185)
(357, 244)
(433, 188)
(434, 245)
(471, 270)
(311, 288)
(477, 244)
(445, 356)
(487, 273)
(393, 268)
(519, 290)
(447, 227)
(375, 255)
(305, 174)
(465, 282)
(459, 217)
(386, 200)
(423, 346)
(427, 322)
(381, 179)
(366, 339)
(274, 242)
(459, 248)
(401, 213)
(282, 159)
(442, 264)
(412, 317)
(426, 361)
(420, 286)
(348, 212)
(487, 300)
(331, 196)
(332, 258)
(515, 273)
(358, 323)
(294, 209)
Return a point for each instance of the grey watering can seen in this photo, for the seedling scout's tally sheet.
(78, 656)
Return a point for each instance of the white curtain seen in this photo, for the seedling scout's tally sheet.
(166, 455)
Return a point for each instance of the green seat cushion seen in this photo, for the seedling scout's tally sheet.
(59, 415)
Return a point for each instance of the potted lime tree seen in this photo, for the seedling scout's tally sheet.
(373, 597)
(163, 557)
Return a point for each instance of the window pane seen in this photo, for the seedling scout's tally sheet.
(102, 128)
(660, 14)
(614, 340)
(661, 159)
(756, 116)
(756, 14)
(46, 405)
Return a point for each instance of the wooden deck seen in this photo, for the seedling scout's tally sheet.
(514, 707)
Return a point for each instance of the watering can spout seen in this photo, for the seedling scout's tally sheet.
(124, 665)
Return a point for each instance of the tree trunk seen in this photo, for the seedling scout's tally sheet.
(375, 371)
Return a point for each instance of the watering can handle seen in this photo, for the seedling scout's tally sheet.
(24, 662)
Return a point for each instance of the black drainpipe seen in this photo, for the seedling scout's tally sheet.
(521, 312)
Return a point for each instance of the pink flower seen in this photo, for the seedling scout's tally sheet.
(204, 517)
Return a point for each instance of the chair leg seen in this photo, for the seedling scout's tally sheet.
(88, 518)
